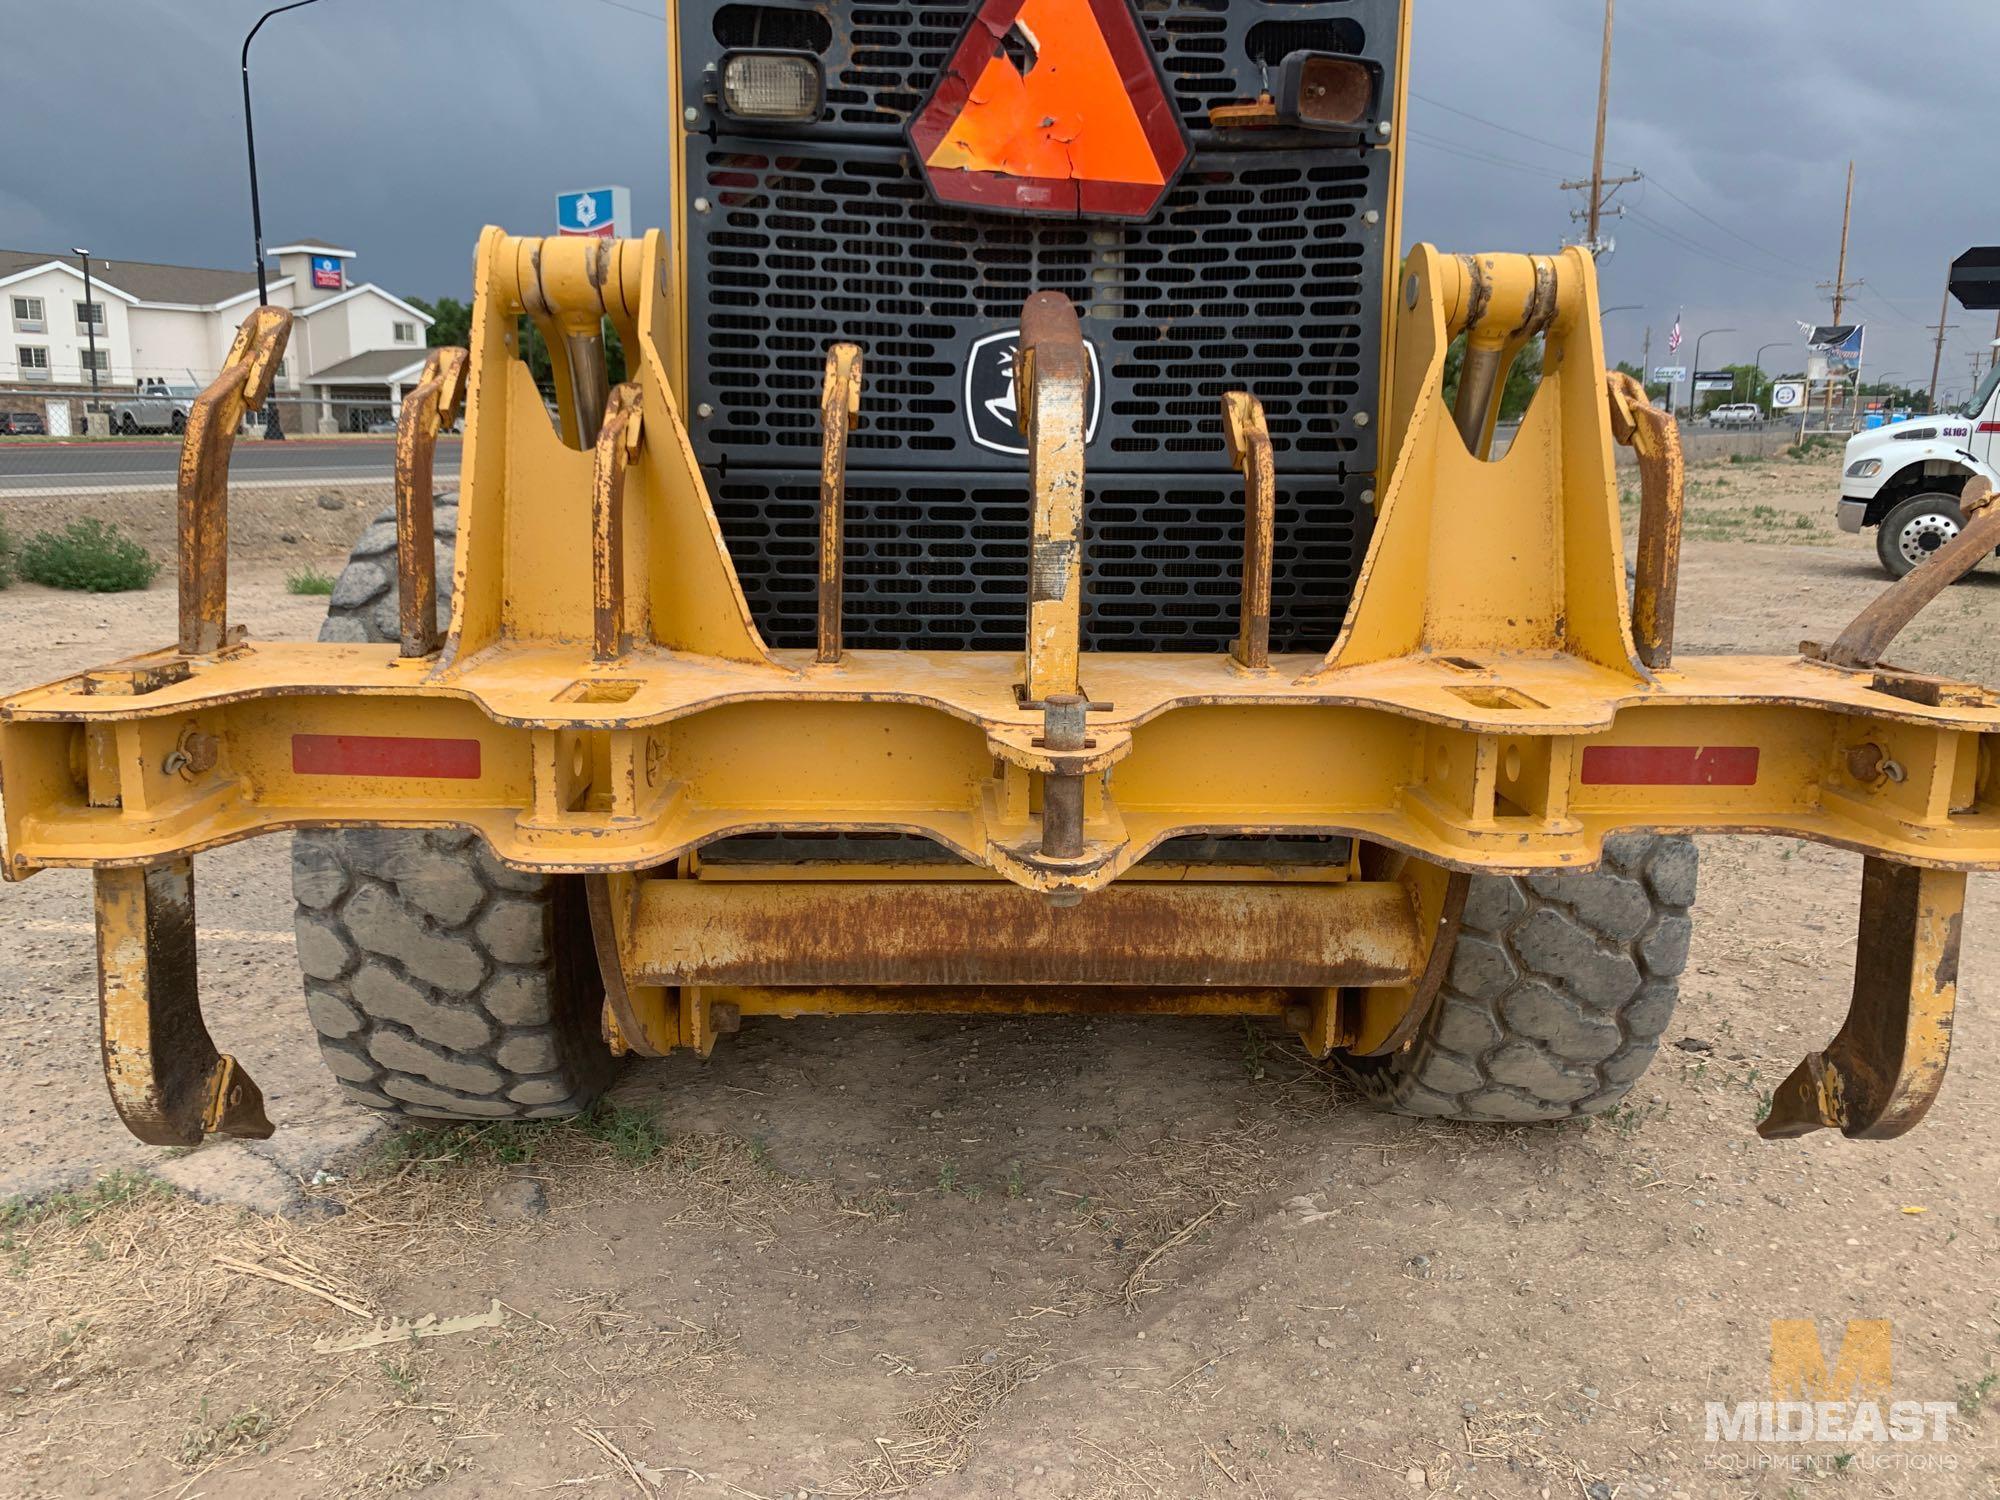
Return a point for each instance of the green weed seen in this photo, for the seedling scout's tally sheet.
(89, 555)
(308, 580)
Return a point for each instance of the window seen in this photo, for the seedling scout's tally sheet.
(90, 314)
(406, 333)
(85, 358)
(34, 360)
(28, 315)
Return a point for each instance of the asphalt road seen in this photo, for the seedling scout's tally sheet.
(35, 465)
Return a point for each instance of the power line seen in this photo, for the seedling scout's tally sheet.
(1508, 129)
(650, 15)
(1716, 223)
(1470, 153)
(1707, 252)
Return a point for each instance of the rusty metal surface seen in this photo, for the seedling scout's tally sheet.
(839, 411)
(943, 933)
(1862, 643)
(1063, 730)
(1250, 450)
(1052, 381)
(431, 407)
(1655, 437)
(213, 421)
(618, 440)
(1443, 939)
(1882, 1072)
(1004, 1000)
(169, 1084)
(640, 1018)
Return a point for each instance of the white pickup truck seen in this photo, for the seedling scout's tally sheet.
(1905, 479)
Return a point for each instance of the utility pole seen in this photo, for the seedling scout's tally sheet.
(1937, 354)
(1840, 285)
(1603, 107)
(1646, 362)
(1593, 210)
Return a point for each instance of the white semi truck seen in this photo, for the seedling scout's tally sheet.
(1905, 479)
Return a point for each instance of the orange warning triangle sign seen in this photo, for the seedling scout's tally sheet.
(1052, 106)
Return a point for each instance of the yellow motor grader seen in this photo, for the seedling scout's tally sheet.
(1033, 565)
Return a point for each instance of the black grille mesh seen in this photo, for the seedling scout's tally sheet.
(894, 54)
(1258, 274)
(937, 562)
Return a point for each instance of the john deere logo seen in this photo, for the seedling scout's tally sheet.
(989, 393)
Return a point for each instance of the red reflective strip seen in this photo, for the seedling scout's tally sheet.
(1989, 426)
(1669, 765)
(385, 755)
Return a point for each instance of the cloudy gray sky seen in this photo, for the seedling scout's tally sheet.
(399, 127)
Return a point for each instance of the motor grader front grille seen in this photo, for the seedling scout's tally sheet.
(938, 562)
(604, 704)
(883, 57)
(1261, 269)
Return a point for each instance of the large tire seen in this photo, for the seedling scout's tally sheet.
(1915, 528)
(441, 983)
(1557, 994)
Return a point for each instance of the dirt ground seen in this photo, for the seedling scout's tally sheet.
(967, 1259)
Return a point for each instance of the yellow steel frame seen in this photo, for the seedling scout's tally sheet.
(1488, 652)
(603, 703)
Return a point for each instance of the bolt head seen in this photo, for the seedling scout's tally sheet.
(701, 205)
(704, 411)
(1382, 129)
(691, 114)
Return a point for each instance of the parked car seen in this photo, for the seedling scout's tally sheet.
(158, 407)
(1737, 414)
(22, 424)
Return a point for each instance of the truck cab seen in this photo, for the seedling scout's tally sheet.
(1905, 479)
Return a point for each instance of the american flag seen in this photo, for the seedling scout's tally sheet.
(1674, 338)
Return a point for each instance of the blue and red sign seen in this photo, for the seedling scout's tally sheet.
(327, 275)
(599, 212)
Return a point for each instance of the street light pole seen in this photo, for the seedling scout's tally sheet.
(1604, 312)
(272, 429)
(1694, 375)
(1757, 365)
(90, 331)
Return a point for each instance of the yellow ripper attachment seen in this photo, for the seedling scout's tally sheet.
(603, 704)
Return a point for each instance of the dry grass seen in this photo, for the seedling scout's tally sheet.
(213, 1312)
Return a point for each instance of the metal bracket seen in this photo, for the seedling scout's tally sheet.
(618, 441)
(1052, 386)
(431, 407)
(1250, 451)
(839, 410)
(1879, 1076)
(248, 373)
(168, 1082)
(1656, 438)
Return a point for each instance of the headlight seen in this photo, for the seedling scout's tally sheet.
(1326, 91)
(766, 86)
(1864, 468)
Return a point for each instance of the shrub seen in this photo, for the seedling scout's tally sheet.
(308, 580)
(6, 556)
(87, 555)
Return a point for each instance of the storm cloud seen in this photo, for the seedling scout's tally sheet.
(399, 127)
